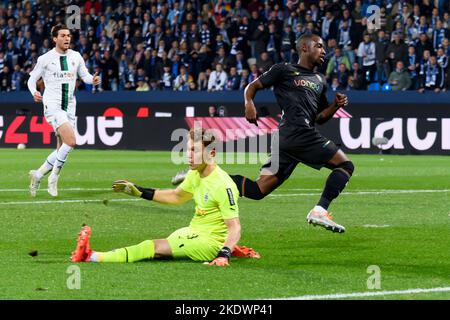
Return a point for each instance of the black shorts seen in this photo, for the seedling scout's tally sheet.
(291, 146)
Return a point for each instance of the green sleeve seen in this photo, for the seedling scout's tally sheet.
(330, 66)
(347, 63)
(226, 197)
(408, 81)
(187, 184)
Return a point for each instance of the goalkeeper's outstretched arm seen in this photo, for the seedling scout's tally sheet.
(172, 196)
(166, 196)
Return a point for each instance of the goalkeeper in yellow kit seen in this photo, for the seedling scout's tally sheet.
(214, 230)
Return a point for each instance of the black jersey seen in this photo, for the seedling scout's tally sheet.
(300, 93)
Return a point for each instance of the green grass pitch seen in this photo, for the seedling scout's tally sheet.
(396, 210)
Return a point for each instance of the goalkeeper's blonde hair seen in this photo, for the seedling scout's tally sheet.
(206, 136)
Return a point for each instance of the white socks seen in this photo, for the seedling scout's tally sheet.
(61, 157)
(47, 166)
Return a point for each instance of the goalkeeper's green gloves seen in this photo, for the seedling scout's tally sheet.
(133, 190)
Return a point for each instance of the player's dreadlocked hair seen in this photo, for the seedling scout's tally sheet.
(206, 136)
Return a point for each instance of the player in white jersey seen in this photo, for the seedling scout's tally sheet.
(59, 69)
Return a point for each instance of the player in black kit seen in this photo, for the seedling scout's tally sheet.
(301, 95)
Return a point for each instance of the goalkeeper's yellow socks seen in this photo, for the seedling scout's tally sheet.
(142, 251)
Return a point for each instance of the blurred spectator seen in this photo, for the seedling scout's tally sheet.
(439, 33)
(410, 31)
(381, 58)
(350, 85)
(434, 76)
(335, 85)
(442, 60)
(423, 64)
(260, 37)
(254, 73)
(358, 77)
(192, 86)
(399, 79)
(154, 85)
(273, 43)
(222, 111)
(202, 82)
(287, 44)
(5, 79)
(205, 34)
(166, 78)
(397, 50)
(412, 66)
(238, 10)
(240, 63)
(17, 79)
(222, 59)
(110, 73)
(446, 46)
(244, 79)
(366, 53)
(2, 61)
(217, 79)
(264, 63)
(181, 82)
(212, 111)
(142, 84)
(233, 81)
(342, 75)
(335, 61)
(152, 64)
(330, 48)
(329, 26)
(423, 44)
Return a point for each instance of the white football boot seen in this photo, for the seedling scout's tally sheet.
(52, 187)
(179, 177)
(34, 183)
(324, 219)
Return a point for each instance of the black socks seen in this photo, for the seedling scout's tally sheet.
(247, 188)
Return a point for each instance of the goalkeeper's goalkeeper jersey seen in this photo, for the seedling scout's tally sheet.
(215, 199)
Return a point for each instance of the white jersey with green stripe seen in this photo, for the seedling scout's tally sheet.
(59, 72)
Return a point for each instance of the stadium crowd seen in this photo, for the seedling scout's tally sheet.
(218, 45)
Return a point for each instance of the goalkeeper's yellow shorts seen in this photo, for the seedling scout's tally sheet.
(186, 243)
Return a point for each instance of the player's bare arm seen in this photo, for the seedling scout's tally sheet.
(249, 95)
(165, 196)
(172, 196)
(234, 232)
(340, 100)
(234, 235)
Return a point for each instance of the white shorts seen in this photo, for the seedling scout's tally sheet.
(58, 117)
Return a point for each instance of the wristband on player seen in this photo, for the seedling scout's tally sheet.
(225, 252)
(147, 193)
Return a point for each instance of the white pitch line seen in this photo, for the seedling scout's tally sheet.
(365, 294)
(63, 189)
(68, 201)
(363, 193)
(375, 226)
